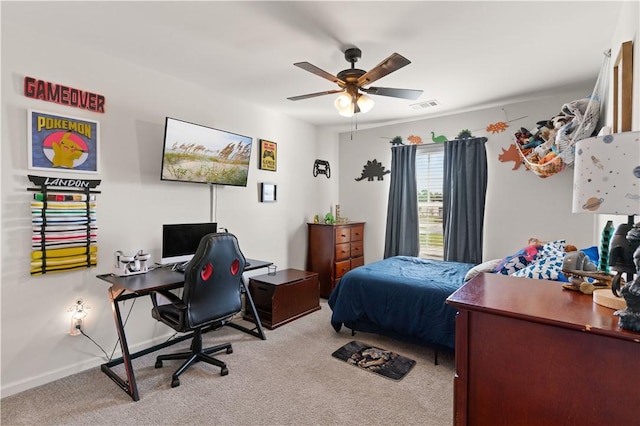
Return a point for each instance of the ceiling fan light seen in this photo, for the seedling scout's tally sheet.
(343, 105)
(343, 101)
(365, 103)
(346, 112)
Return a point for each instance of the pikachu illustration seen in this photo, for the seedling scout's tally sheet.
(65, 152)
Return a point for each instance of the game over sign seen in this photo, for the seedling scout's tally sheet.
(64, 95)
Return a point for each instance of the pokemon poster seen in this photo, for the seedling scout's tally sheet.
(58, 142)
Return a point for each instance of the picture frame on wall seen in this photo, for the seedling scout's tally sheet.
(622, 89)
(268, 155)
(62, 143)
(268, 192)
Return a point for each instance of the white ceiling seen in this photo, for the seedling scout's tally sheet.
(466, 55)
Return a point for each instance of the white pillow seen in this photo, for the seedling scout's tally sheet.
(487, 266)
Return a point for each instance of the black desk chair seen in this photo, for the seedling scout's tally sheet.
(211, 297)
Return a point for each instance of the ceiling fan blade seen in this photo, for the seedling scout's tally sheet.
(395, 93)
(389, 65)
(313, 95)
(317, 71)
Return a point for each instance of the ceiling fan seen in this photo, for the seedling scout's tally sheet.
(352, 80)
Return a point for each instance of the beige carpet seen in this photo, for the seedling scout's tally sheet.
(288, 379)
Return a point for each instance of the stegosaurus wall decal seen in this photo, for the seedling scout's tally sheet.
(372, 170)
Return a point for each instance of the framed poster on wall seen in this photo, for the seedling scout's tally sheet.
(268, 192)
(268, 155)
(622, 89)
(62, 143)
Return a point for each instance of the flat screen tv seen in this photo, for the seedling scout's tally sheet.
(196, 153)
(180, 241)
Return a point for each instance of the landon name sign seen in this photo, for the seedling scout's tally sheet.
(64, 95)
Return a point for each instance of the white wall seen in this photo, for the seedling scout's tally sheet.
(627, 29)
(519, 203)
(133, 203)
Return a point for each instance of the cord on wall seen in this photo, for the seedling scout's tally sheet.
(213, 202)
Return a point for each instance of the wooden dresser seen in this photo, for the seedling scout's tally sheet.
(529, 352)
(334, 250)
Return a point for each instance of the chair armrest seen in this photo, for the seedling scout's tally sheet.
(172, 313)
(172, 299)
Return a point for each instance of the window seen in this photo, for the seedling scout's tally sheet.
(429, 177)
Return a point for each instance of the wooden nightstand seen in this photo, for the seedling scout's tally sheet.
(283, 297)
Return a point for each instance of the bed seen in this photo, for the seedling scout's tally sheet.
(402, 297)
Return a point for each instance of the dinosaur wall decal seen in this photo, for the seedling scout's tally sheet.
(511, 154)
(372, 170)
(438, 139)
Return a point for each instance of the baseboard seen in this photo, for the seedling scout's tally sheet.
(13, 388)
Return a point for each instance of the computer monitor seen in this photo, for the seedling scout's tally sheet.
(180, 241)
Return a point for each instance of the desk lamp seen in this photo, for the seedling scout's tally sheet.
(606, 180)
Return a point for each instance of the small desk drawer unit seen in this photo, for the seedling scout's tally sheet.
(333, 251)
(283, 297)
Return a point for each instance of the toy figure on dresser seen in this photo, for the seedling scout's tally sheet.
(583, 274)
(630, 317)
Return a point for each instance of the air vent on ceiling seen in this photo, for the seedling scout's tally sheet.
(426, 104)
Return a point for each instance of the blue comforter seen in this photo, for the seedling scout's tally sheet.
(401, 297)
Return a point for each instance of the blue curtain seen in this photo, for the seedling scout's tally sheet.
(401, 237)
(464, 194)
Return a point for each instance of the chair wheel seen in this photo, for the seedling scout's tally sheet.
(224, 371)
(175, 382)
(230, 350)
(158, 363)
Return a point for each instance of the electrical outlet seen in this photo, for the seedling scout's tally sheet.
(79, 311)
(76, 326)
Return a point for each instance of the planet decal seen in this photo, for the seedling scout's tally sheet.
(636, 171)
(593, 204)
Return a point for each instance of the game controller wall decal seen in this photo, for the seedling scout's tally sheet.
(268, 159)
(321, 167)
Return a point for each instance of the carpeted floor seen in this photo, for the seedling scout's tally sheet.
(288, 379)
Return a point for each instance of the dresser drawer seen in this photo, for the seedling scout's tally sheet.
(343, 251)
(343, 234)
(357, 233)
(342, 268)
(357, 261)
(356, 248)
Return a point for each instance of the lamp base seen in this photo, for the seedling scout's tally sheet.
(604, 297)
